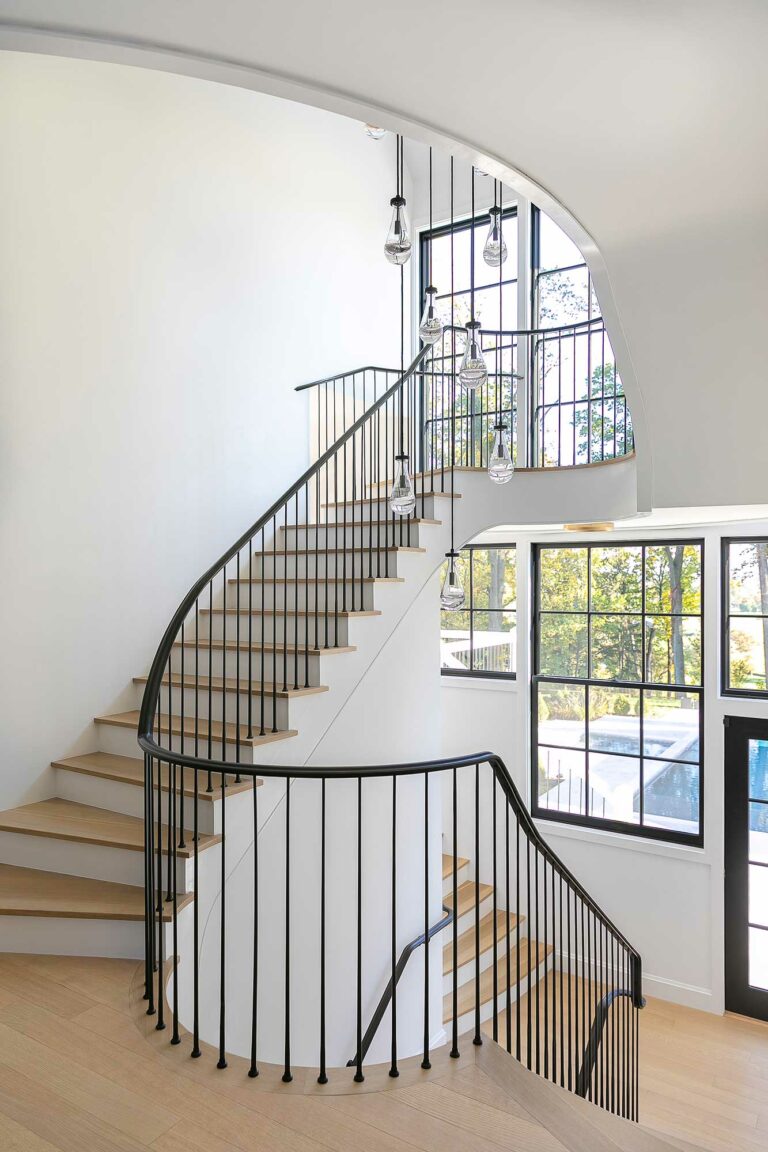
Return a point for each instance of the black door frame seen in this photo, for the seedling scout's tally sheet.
(739, 996)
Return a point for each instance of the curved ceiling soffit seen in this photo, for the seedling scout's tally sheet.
(53, 41)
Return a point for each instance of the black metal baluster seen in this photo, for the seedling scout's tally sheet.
(533, 973)
(323, 1076)
(561, 939)
(222, 1063)
(425, 1063)
(149, 915)
(196, 922)
(253, 1071)
(160, 925)
(393, 1069)
(507, 927)
(175, 1038)
(359, 1077)
(287, 1075)
(495, 914)
(529, 995)
(210, 674)
(455, 929)
(545, 894)
(477, 1039)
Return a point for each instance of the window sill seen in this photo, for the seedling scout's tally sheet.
(479, 683)
(553, 828)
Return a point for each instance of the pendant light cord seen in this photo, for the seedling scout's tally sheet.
(500, 366)
(402, 305)
(453, 372)
(472, 252)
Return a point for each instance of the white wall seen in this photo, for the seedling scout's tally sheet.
(668, 899)
(176, 256)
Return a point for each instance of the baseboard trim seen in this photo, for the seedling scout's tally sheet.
(688, 995)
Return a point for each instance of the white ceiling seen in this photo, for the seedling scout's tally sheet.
(645, 118)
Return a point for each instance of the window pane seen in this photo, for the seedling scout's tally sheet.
(493, 641)
(758, 832)
(748, 574)
(758, 769)
(758, 958)
(494, 583)
(673, 578)
(563, 645)
(617, 643)
(561, 780)
(614, 720)
(617, 579)
(673, 649)
(671, 796)
(614, 784)
(455, 649)
(747, 648)
(758, 894)
(561, 710)
(563, 578)
(671, 725)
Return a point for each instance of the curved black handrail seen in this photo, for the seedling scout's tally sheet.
(592, 1047)
(342, 376)
(154, 680)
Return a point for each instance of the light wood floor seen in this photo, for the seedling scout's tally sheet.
(77, 1075)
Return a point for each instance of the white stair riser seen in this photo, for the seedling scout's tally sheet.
(467, 921)
(120, 741)
(357, 535)
(215, 708)
(467, 1021)
(96, 861)
(329, 566)
(462, 874)
(278, 628)
(276, 667)
(128, 798)
(467, 971)
(427, 508)
(67, 936)
(331, 595)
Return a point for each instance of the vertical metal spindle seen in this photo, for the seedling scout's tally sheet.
(495, 915)
(222, 1063)
(196, 921)
(359, 1077)
(477, 1038)
(253, 1071)
(393, 1069)
(287, 1075)
(455, 928)
(323, 1076)
(175, 1038)
(160, 925)
(426, 1063)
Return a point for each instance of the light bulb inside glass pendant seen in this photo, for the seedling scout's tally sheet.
(500, 466)
(397, 246)
(375, 132)
(430, 328)
(402, 499)
(451, 593)
(473, 372)
(495, 250)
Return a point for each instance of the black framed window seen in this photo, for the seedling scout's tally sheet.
(744, 647)
(617, 691)
(561, 285)
(480, 639)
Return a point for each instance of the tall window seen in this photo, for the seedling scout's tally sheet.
(617, 694)
(560, 281)
(745, 617)
(480, 639)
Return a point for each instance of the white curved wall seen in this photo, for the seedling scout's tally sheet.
(176, 256)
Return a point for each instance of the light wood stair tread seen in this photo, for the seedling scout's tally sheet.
(372, 499)
(466, 992)
(466, 896)
(465, 945)
(332, 524)
(332, 578)
(129, 770)
(34, 892)
(321, 612)
(258, 646)
(68, 820)
(341, 551)
(230, 684)
(461, 862)
(228, 732)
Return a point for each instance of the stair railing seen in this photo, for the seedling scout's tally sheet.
(528, 960)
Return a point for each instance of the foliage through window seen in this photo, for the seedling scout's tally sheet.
(480, 639)
(617, 688)
(745, 616)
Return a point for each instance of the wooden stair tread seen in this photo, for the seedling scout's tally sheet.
(68, 820)
(257, 646)
(341, 551)
(34, 892)
(372, 499)
(465, 945)
(228, 732)
(466, 896)
(230, 684)
(321, 613)
(461, 862)
(332, 524)
(129, 770)
(466, 992)
(331, 578)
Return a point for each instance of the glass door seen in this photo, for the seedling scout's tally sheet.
(746, 866)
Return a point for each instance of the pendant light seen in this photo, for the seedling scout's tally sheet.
(375, 132)
(397, 247)
(452, 591)
(500, 465)
(495, 250)
(430, 328)
(473, 372)
(402, 498)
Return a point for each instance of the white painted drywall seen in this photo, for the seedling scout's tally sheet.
(176, 256)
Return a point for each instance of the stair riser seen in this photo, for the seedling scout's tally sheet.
(427, 508)
(129, 799)
(93, 860)
(467, 971)
(217, 710)
(122, 742)
(359, 535)
(467, 1021)
(331, 595)
(285, 670)
(333, 567)
(279, 628)
(67, 936)
(462, 874)
(467, 921)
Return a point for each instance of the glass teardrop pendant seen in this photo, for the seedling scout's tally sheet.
(430, 328)
(402, 499)
(451, 593)
(397, 246)
(472, 370)
(375, 132)
(495, 250)
(500, 466)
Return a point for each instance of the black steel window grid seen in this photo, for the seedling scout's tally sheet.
(470, 610)
(639, 829)
(726, 616)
